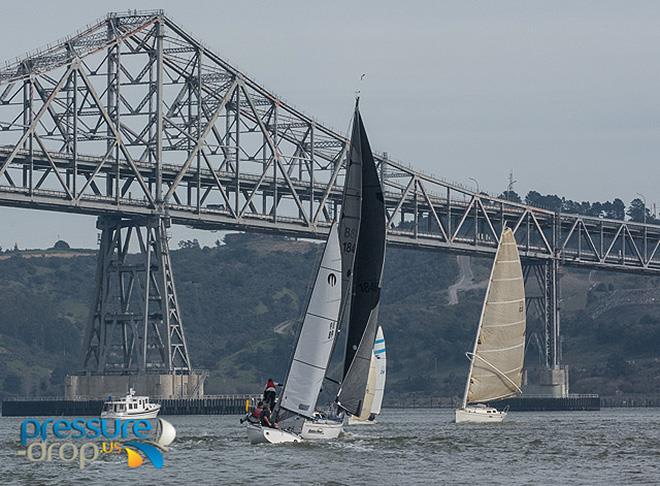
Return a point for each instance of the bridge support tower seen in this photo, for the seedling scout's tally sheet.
(135, 337)
(547, 376)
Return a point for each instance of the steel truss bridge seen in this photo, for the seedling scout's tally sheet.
(132, 118)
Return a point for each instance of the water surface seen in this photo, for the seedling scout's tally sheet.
(614, 446)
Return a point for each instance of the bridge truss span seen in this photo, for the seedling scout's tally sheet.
(132, 116)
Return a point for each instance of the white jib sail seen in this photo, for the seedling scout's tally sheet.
(380, 355)
(497, 359)
(317, 334)
(373, 395)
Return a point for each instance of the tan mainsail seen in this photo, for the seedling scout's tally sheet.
(497, 359)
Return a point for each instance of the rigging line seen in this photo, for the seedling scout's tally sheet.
(495, 369)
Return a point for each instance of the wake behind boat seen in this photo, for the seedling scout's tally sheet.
(496, 361)
(130, 407)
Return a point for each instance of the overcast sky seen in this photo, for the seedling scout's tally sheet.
(565, 94)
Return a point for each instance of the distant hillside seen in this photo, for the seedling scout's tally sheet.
(241, 302)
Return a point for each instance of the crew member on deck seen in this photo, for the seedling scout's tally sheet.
(266, 418)
(270, 393)
(254, 417)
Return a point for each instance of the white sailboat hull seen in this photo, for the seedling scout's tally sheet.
(479, 415)
(352, 420)
(321, 429)
(266, 435)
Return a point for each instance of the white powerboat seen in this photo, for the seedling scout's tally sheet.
(130, 407)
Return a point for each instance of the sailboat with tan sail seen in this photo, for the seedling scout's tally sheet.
(496, 360)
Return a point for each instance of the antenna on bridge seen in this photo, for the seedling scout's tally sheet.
(509, 187)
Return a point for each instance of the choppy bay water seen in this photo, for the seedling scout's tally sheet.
(614, 446)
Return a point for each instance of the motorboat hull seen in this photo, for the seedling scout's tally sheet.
(321, 429)
(267, 435)
(479, 415)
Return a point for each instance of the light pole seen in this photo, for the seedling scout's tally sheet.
(476, 182)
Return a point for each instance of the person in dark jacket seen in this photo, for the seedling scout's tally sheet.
(270, 393)
(266, 420)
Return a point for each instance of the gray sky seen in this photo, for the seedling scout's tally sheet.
(566, 94)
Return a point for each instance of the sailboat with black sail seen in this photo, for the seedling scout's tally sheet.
(362, 230)
(496, 361)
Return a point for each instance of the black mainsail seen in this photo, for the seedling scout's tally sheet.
(362, 236)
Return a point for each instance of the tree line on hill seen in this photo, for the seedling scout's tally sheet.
(637, 210)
